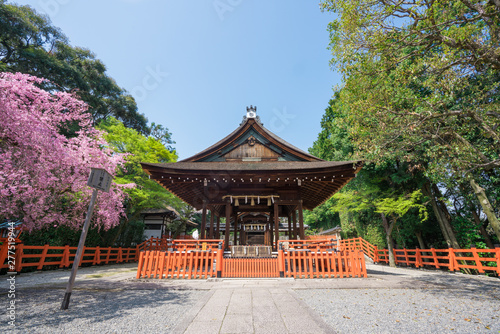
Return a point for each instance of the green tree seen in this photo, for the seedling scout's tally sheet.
(421, 85)
(29, 43)
(147, 194)
(361, 203)
(160, 133)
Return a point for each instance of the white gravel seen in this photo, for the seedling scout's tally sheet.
(406, 310)
(101, 311)
(108, 299)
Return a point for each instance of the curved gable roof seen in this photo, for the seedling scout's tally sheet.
(244, 130)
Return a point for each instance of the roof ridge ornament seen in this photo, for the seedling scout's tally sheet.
(252, 113)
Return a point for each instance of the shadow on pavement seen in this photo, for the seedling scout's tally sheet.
(42, 307)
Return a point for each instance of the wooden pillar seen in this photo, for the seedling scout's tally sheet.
(294, 224)
(203, 220)
(276, 225)
(228, 224)
(211, 235)
(289, 219)
(217, 233)
(242, 235)
(235, 235)
(266, 234)
(301, 222)
(271, 229)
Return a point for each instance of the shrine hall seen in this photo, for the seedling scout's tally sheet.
(255, 180)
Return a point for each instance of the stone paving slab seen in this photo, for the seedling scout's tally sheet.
(245, 313)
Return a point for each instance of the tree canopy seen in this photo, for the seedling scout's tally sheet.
(421, 87)
(29, 43)
(138, 148)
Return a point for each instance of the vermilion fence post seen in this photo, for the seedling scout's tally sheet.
(65, 257)
(363, 266)
(451, 259)
(161, 263)
(434, 259)
(81, 258)
(220, 256)
(97, 256)
(281, 261)
(3, 256)
(497, 251)
(19, 258)
(418, 258)
(139, 266)
(479, 265)
(108, 254)
(42, 257)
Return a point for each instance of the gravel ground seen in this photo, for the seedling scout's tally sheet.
(101, 311)
(407, 310)
(108, 299)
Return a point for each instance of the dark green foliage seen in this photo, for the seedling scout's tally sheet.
(120, 236)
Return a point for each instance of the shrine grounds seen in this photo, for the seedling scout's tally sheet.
(108, 299)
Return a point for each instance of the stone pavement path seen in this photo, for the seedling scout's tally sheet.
(253, 310)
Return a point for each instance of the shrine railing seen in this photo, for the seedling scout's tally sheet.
(303, 259)
(320, 258)
(250, 267)
(62, 257)
(482, 260)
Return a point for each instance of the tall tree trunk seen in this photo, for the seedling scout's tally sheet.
(486, 205)
(441, 213)
(421, 242)
(388, 227)
(446, 216)
(485, 235)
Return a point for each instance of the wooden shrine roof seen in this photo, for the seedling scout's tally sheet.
(314, 181)
(249, 128)
(249, 167)
(253, 161)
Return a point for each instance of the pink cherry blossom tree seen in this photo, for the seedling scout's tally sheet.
(43, 173)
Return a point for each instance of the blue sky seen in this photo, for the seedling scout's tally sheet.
(195, 66)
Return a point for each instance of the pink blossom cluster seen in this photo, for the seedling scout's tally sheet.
(43, 173)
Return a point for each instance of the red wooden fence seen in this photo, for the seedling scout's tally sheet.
(310, 263)
(482, 260)
(302, 259)
(299, 258)
(41, 256)
(250, 267)
(174, 264)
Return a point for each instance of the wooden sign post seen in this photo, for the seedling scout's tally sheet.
(99, 179)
